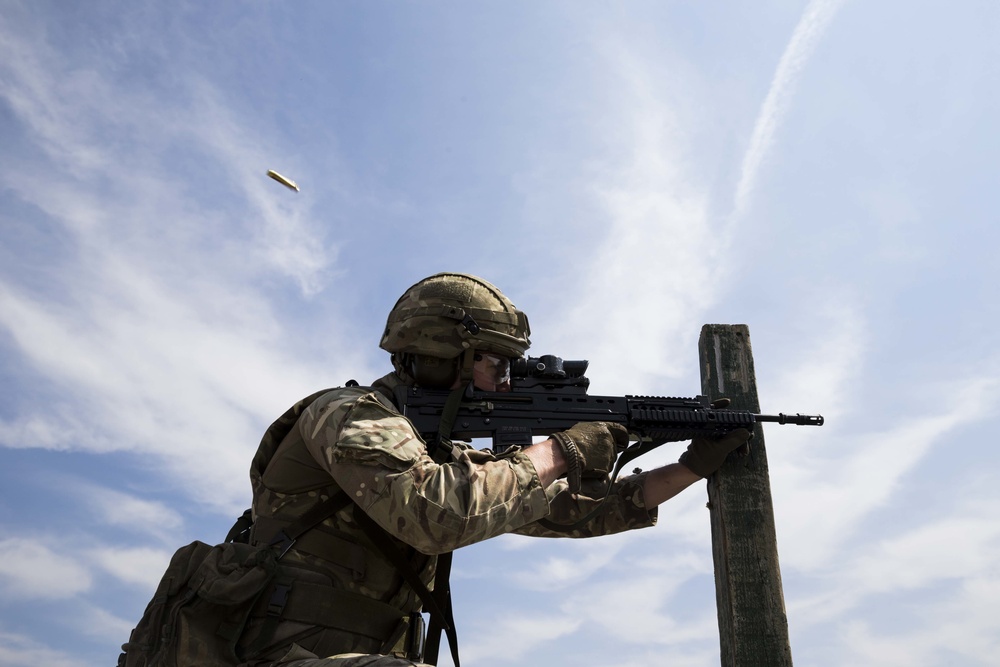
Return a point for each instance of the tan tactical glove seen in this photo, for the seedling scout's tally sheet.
(706, 455)
(590, 449)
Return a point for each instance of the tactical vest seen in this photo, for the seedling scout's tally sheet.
(333, 619)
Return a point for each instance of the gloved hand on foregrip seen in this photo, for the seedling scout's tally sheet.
(706, 455)
(590, 448)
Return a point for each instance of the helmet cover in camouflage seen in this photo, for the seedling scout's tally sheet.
(448, 313)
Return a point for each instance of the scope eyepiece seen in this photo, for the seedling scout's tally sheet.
(548, 366)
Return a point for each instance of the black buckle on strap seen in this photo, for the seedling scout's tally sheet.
(279, 598)
(415, 637)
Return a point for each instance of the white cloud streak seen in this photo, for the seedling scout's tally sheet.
(806, 37)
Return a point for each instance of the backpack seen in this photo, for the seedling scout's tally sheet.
(202, 603)
(200, 607)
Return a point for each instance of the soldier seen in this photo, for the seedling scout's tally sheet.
(350, 588)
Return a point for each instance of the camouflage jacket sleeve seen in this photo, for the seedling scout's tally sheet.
(623, 510)
(372, 452)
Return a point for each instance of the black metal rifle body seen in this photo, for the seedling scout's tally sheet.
(549, 395)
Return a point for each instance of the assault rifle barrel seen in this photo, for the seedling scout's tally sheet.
(797, 420)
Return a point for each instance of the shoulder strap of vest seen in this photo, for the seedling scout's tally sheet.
(285, 538)
(277, 431)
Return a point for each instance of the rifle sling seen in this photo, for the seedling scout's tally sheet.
(434, 604)
(443, 589)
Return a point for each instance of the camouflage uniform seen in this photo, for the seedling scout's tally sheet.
(354, 439)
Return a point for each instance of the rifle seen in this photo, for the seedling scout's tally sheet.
(548, 394)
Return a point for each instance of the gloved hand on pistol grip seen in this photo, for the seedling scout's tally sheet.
(590, 449)
(706, 455)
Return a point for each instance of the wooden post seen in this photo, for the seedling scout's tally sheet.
(753, 627)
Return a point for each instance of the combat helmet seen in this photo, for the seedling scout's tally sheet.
(440, 322)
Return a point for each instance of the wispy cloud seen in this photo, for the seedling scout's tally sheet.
(834, 336)
(960, 622)
(153, 298)
(152, 379)
(45, 568)
(98, 623)
(638, 608)
(947, 549)
(30, 569)
(862, 476)
(559, 572)
(141, 567)
(64, 105)
(115, 508)
(656, 264)
(151, 323)
(531, 630)
(20, 651)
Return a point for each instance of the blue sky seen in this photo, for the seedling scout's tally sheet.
(822, 171)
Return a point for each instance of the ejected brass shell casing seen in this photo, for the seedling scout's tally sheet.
(281, 179)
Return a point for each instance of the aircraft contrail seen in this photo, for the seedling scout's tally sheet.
(807, 35)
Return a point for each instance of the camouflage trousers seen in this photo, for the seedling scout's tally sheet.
(299, 657)
(354, 660)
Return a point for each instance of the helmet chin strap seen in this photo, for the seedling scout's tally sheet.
(465, 373)
(450, 410)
